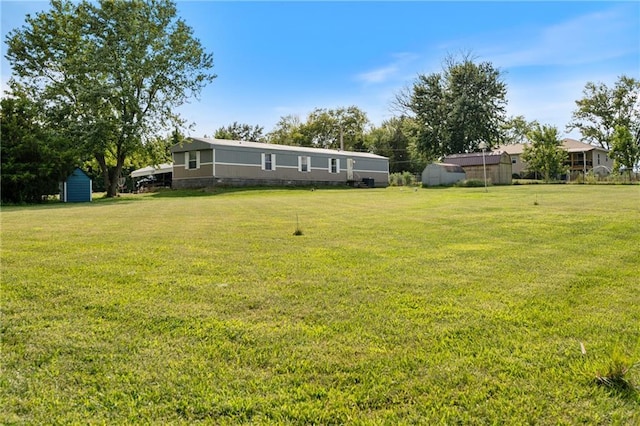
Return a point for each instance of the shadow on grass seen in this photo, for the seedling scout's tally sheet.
(623, 390)
(436, 187)
(213, 191)
(129, 198)
(97, 201)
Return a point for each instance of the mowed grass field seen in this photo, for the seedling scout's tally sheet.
(395, 306)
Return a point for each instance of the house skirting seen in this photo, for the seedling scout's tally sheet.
(192, 183)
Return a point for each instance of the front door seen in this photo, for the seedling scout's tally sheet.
(349, 168)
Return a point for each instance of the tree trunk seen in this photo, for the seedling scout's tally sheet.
(110, 175)
(105, 173)
(112, 189)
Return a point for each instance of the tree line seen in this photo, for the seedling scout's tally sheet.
(98, 83)
(455, 110)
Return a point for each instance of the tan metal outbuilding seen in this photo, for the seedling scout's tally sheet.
(497, 164)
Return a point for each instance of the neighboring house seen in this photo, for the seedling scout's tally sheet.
(436, 174)
(583, 158)
(76, 188)
(210, 162)
(514, 151)
(497, 166)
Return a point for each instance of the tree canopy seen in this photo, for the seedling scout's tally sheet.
(241, 132)
(392, 139)
(544, 153)
(288, 131)
(340, 128)
(625, 150)
(34, 159)
(456, 109)
(517, 129)
(109, 74)
(603, 108)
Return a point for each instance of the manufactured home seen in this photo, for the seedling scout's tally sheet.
(201, 162)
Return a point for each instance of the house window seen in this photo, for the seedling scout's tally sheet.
(598, 159)
(193, 160)
(514, 160)
(268, 161)
(334, 165)
(304, 163)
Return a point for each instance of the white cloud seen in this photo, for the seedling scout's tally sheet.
(585, 39)
(379, 75)
(391, 72)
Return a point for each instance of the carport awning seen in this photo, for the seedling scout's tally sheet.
(153, 170)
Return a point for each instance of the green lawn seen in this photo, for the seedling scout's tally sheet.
(395, 306)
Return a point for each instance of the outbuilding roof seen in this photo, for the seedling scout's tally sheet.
(474, 158)
(271, 146)
(153, 170)
(449, 168)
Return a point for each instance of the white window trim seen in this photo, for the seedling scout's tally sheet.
(337, 165)
(273, 161)
(186, 160)
(300, 157)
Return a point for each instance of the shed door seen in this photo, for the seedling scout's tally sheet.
(349, 168)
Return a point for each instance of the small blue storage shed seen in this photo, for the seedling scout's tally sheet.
(76, 188)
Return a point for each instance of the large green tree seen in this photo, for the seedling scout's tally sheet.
(517, 129)
(457, 108)
(241, 132)
(340, 128)
(324, 128)
(625, 149)
(544, 153)
(288, 131)
(109, 73)
(392, 140)
(603, 108)
(34, 159)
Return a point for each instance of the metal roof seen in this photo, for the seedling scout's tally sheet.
(153, 170)
(569, 145)
(474, 158)
(450, 168)
(276, 147)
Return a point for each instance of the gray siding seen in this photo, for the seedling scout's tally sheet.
(238, 156)
(179, 159)
(206, 156)
(287, 160)
(364, 164)
(318, 162)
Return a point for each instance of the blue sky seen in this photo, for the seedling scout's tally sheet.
(279, 58)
